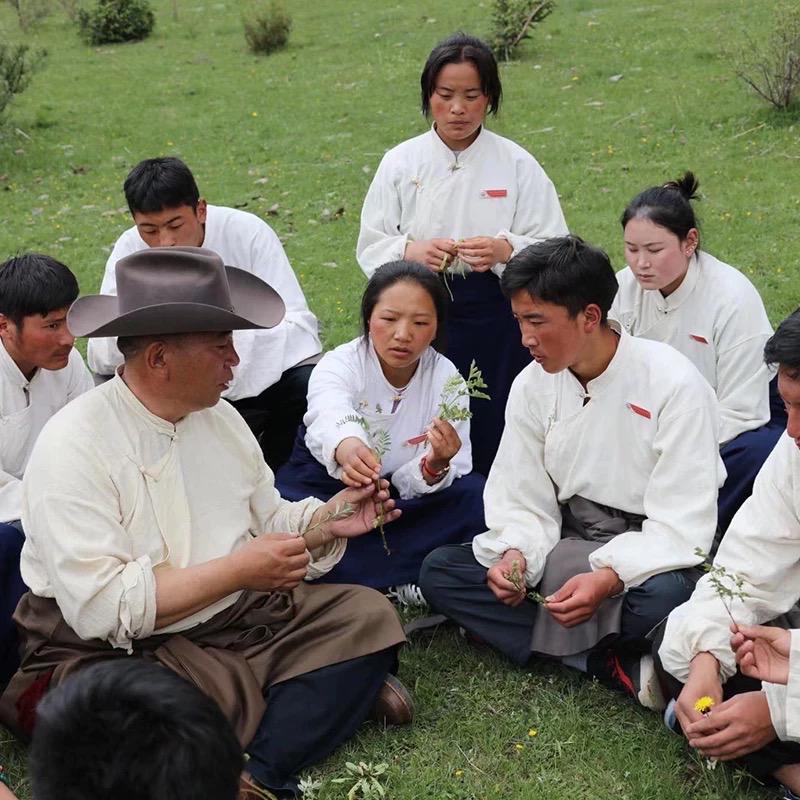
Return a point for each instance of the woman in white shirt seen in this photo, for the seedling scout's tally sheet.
(374, 409)
(674, 292)
(462, 200)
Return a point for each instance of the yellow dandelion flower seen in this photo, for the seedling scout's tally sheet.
(519, 746)
(533, 732)
(704, 704)
(459, 773)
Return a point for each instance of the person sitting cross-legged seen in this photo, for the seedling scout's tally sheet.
(154, 531)
(604, 484)
(40, 372)
(751, 716)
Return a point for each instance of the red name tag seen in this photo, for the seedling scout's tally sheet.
(494, 193)
(698, 338)
(642, 412)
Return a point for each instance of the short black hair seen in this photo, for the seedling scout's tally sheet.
(457, 49)
(33, 283)
(783, 347)
(395, 271)
(129, 729)
(565, 271)
(668, 205)
(158, 183)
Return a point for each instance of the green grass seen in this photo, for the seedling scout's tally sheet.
(313, 121)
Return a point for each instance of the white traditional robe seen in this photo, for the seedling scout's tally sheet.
(112, 492)
(644, 443)
(245, 241)
(25, 407)
(424, 190)
(349, 382)
(762, 547)
(716, 318)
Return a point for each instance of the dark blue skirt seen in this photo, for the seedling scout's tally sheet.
(480, 326)
(744, 456)
(11, 589)
(451, 516)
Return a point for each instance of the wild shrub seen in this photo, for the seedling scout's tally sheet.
(114, 21)
(514, 21)
(266, 27)
(16, 67)
(772, 68)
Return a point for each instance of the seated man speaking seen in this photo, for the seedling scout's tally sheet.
(604, 484)
(154, 530)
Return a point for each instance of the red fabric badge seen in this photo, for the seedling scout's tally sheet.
(698, 338)
(642, 412)
(494, 193)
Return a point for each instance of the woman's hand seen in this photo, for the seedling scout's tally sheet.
(444, 443)
(483, 252)
(359, 465)
(762, 652)
(435, 254)
(703, 681)
(368, 505)
(497, 578)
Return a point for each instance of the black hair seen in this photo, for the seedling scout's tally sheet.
(394, 272)
(457, 49)
(158, 183)
(783, 347)
(669, 205)
(33, 283)
(565, 271)
(128, 729)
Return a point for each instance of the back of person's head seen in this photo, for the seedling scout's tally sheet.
(783, 347)
(668, 205)
(457, 49)
(411, 272)
(129, 730)
(35, 284)
(564, 271)
(158, 183)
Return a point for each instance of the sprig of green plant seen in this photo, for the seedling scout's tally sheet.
(368, 780)
(451, 268)
(728, 585)
(339, 511)
(309, 788)
(380, 442)
(515, 578)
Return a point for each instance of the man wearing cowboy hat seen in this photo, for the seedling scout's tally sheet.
(154, 530)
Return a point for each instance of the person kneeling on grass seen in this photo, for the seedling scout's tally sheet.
(127, 729)
(154, 531)
(756, 723)
(382, 390)
(604, 484)
(40, 372)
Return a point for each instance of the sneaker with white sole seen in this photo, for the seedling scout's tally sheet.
(631, 674)
(408, 595)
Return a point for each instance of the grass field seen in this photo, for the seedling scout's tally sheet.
(296, 138)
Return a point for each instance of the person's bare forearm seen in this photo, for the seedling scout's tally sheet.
(183, 592)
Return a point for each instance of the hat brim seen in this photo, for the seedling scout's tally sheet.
(255, 305)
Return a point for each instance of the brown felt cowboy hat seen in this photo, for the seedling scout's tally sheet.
(165, 290)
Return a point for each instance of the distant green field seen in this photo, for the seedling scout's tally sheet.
(296, 138)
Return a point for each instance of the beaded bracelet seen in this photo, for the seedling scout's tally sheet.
(4, 776)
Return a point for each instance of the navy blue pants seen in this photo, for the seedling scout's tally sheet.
(454, 584)
(449, 516)
(744, 456)
(11, 589)
(309, 716)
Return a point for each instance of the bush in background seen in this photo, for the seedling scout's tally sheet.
(114, 21)
(30, 12)
(16, 67)
(772, 69)
(266, 27)
(513, 21)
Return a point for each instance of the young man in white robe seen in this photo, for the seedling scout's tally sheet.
(604, 484)
(154, 530)
(40, 372)
(749, 720)
(270, 383)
